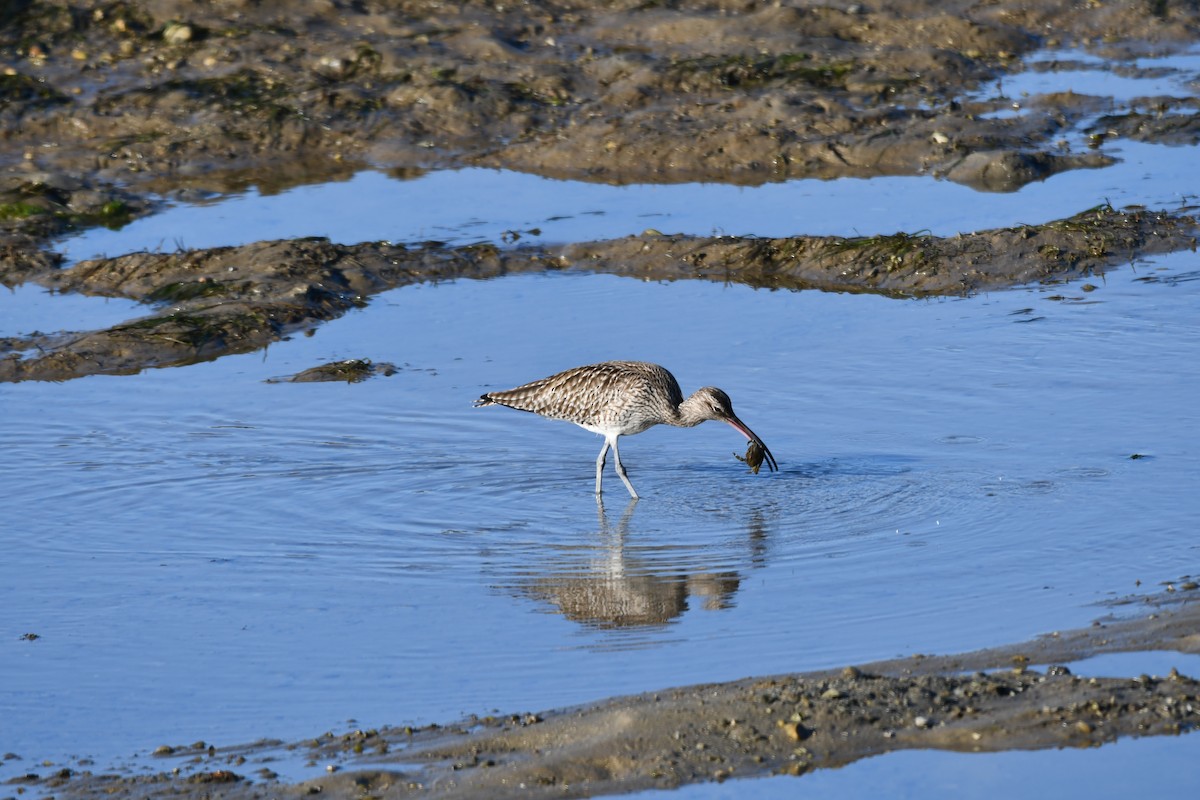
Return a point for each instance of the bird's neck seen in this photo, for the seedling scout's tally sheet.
(691, 412)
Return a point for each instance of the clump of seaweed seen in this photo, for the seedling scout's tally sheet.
(352, 370)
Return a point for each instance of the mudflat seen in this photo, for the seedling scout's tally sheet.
(106, 108)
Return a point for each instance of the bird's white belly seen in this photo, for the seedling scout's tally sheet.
(603, 430)
(618, 428)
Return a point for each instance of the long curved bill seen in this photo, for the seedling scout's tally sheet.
(752, 436)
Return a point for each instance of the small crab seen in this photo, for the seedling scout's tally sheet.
(755, 454)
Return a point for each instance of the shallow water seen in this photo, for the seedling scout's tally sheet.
(1156, 663)
(208, 556)
(470, 205)
(1129, 768)
(29, 308)
(1141, 84)
(1078, 72)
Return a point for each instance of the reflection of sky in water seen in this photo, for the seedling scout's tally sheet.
(208, 556)
(1157, 663)
(1156, 767)
(474, 204)
(481, 205)
(1174, 76)
(30, 308)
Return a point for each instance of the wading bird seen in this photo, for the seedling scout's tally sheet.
(619, 398)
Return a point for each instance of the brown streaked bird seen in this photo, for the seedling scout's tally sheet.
(618, 398)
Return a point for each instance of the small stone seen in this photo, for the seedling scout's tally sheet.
(177, 33)
(797, 732)
(921, 722)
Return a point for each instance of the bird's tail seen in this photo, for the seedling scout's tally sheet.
(484, 400)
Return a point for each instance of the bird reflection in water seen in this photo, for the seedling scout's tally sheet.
(610, 585)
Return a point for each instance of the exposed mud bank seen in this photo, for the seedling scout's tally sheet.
(238, 299)
(163, 94)
(104, 103)
(788, 724)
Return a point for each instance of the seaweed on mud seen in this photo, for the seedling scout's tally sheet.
(352, 370)
(112, 214)
(481, 249)
(38, 20)
(1087, 220)
(42, 210)
(366, 61)
(528, 93)
(1096, 224)
(183, 291)
(18, 88)
(46, 22)
(197, 330)
(21, 209)
(243, 92)
(740, 71)
(891, 251)
(111, 146)
(894, 244)
(244, 89)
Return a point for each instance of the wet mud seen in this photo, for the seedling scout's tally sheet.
(238, 299)
(162, 94)
(984, 701)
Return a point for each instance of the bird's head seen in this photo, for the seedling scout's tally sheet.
(712, 403)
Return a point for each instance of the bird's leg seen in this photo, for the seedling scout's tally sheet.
(600, 466)
(621, 470)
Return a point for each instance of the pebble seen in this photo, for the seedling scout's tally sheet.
(177, 33)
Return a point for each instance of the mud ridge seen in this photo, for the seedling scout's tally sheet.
(239, 299)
